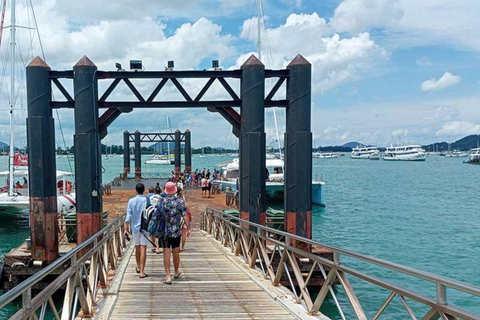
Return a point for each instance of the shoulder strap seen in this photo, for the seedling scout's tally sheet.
(148, 204)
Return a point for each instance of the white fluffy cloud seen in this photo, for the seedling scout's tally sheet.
(334, 59)
(445, 81)
(413, 22)
(355, 16)
(458, 128)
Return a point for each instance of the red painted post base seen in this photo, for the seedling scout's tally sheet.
(178, 171)
(44, 228)
(188, 169)
(299, 224)
(126, 171)
(87, 225)
(138, 173)
(245, 216)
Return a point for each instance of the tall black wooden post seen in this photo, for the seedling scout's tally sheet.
(252, 142)
(178, 153)
(126, 153)
(42, 164)
(188, 151)
(138, 156)
(88, 173)
(298, 149)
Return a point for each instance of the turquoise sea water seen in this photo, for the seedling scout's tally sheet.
(420, 214)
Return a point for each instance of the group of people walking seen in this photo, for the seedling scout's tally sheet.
(172, 227)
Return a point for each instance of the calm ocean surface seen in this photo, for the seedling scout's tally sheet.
(423, 215)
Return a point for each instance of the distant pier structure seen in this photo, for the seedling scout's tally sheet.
(138, 138)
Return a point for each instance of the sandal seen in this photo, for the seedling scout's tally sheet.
(136, 270)
(146, 275)
(177, 276)
(167, 282)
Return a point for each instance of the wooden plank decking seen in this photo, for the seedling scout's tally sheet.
(211, 287)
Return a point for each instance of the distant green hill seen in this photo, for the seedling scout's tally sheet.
(352, 144)
(464, 144)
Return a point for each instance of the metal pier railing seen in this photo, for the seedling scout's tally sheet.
(272, 251)
(89, 269)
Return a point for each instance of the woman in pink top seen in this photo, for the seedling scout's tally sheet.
(204, 185)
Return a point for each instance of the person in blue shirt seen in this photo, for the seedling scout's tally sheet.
(133, 223)
(151, 191)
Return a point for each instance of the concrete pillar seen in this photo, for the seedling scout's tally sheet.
(188, 151)
(126, 153)
(138, 156)
(42, 165)
(298, 149)
(178, 153)
(252, 142)
(88, 160)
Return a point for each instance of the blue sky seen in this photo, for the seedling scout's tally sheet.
(383, 70)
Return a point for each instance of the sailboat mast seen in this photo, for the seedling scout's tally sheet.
(12, 93)
(259, 29)
(259, 52)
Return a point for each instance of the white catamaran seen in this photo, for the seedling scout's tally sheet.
(163, 159)
(14, 196)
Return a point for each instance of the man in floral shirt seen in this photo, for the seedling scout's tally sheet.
(172, 209)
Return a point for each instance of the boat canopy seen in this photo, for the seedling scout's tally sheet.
(20, 173)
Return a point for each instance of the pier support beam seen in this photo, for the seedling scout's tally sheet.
(138, 156)
(252, 142)
(126, 153)
(178, 153)
(188, 151)
(42, 164)
(88, 166)
(298, 150)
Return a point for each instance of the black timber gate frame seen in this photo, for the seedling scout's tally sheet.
(90, 127)
(137, 138)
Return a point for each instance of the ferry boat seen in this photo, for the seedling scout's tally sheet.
(364, 152)
(405, 153)
(321, 155)
(456, 154)
(274, 184)
(474, 156)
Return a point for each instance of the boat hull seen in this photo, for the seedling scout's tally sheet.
(275, 191)
(404, 158)
(158, 161)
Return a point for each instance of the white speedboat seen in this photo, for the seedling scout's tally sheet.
(364, 152)
(456, 154)
(405, 153)
(474, 156)
(160, 159)
(274, 184)
(321, 155)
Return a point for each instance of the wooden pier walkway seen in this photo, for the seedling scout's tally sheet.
(212, 286)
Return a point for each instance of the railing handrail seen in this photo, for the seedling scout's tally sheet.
(27, 284)
(448, 282)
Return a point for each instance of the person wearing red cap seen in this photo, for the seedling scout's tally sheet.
(173, 209)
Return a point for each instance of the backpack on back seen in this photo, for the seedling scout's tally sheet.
(157, 224)
(147, 215)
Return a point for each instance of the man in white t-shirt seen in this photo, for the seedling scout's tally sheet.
(133, 222)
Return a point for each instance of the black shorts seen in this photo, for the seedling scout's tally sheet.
(204, 188)
(170, 242)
